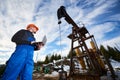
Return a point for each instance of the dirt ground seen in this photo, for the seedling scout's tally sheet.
(38, 76)
(42, 76)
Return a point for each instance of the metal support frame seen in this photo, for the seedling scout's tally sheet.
(79, 34)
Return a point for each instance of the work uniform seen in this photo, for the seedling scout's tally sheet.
(21, 61)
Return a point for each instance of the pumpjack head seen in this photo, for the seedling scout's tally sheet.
(60, 13)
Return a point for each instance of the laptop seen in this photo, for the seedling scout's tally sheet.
(44, 40)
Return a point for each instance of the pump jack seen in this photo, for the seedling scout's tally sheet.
(93, 62)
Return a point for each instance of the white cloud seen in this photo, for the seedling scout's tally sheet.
(114, 17)
(115, 42)
(95, 9)
(4, 56)
(100, 29)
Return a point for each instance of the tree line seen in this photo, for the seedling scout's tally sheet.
(50, 58)
(108, 52)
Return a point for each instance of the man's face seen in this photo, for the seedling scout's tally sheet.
(32, 29)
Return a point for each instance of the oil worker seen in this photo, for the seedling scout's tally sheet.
(21, 61)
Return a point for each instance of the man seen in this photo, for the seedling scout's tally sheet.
(21, 61)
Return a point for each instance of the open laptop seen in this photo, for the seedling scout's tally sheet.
(44, 40)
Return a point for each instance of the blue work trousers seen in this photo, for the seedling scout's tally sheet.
(20, 64)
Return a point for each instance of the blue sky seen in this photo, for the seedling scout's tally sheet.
(101, 18)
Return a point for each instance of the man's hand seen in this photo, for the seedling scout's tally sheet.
(32, 42)
(38, 45)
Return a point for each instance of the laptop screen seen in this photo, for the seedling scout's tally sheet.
(44, 39)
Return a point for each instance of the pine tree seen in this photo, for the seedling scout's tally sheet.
(73, 54)
(117, 54)
(46, 60)
(56, 57)
(104, 51)
(59, 56)
(52, 58)
(111, 52)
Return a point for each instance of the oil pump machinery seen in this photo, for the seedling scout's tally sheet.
(89, 58)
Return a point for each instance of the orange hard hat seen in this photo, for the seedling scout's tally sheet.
(32, 25)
